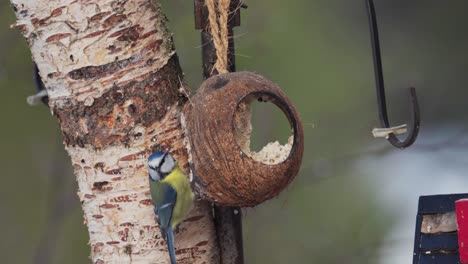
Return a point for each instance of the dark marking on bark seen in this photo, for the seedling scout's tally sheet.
(117, 76)
(137, 135)
(152, 96)
(149, 33)
(93, 72)
(185, 250)
(124, 234)
(145, 4)
(32, 37)
(113, 242)
(99, 185)
(89, 196)
(23, 28)
(40, 22)
(122, 199)
(146, 202)
(112, 49)
(98, 216)
(150, 227)
(108, 206)
(118, 5)
(203, 243)
(133, 157)
(80, 142)
(169, 142)
(99, 165)
(114, 171)
(114, 20)
(125, 140)
(156, 148)
(132, 109)
(150, 61)
(127, 224)
(118, 97)
(128, 249)
(189, 254)
(99, 16)
(57, 37)
(99, 261)
(128, 34)
(154, 45)
(97, 247)
(57, 12)
(94, 34)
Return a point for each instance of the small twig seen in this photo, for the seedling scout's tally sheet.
(36, 99)
(41, 95)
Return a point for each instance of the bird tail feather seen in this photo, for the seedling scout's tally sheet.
(170, 245)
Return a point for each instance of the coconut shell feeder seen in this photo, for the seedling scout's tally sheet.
(218, 128)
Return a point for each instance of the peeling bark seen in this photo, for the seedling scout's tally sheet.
(113, 81)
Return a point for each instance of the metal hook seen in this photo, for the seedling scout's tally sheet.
(381, 102)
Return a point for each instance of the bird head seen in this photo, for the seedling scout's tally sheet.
(160, 164)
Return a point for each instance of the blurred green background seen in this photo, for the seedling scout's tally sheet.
(355, 199)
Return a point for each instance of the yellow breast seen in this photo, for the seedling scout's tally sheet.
(180, 183)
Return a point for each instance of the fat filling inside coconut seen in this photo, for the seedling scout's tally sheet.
(272, 153)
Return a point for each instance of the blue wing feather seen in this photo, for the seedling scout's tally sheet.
(166, 204)
(163, 210)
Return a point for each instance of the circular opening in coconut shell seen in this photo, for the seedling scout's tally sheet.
(272, 153)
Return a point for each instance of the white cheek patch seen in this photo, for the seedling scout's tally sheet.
(154, 175)
(168, 165)
(154, 163)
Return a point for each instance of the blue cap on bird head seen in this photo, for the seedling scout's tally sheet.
(160, 164)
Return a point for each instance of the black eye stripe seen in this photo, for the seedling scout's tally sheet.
(162, 160)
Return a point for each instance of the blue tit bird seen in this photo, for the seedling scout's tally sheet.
(171, 194)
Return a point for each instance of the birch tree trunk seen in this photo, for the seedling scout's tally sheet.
(113, 80)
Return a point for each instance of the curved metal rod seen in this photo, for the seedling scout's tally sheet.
(379, 81)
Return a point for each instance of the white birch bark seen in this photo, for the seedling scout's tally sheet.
(113, 81)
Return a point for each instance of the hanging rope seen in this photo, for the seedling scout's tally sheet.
(218, 18)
